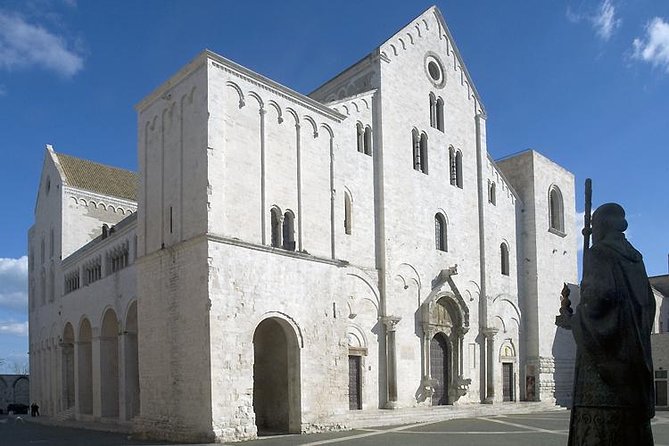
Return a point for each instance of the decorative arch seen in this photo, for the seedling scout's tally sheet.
(328, 129)
(240, 94)
(356, 336)
(259, 100)
(294, 115)
(276, 107)
(369, 284)
(314, 126)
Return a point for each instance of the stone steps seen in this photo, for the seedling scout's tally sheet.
(381, 417)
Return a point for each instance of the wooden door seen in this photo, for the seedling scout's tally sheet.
(439, 369)
(354, 383)
(507, 381)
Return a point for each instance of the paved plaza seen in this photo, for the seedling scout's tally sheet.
(541, 428)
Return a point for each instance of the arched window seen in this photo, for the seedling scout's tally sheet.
(360, 137)
(368, 141)
(275, 221)
(289, 231)
(555, 209)
(440, 114)
(440, 233)
(415, 143)
(423, 153)
(504, 252)
(455, 167)
(347, 213)
(492, 198)
(433, 110)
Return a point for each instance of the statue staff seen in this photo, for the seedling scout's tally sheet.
(564, 319)
(587, 217)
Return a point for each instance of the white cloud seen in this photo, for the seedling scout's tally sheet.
(14, 283)
(14, 328)
(603, 20)
(654, 48)
(23, 45)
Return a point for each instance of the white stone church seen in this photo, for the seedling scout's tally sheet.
(280, 260)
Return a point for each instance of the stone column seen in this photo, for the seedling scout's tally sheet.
(96, 347)
(390, 323)
(489, 334)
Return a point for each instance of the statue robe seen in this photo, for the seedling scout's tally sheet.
(613, 384)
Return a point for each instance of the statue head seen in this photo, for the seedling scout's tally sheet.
(608, 218)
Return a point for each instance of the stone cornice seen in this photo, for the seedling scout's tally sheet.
(268, 84)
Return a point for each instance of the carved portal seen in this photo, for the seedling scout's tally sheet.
(444, 318)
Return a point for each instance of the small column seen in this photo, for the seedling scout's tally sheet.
(489, 334)
(390, 323)
(96, 347)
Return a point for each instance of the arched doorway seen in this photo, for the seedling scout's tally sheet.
(68, 366)
(276, 378)
(444, 322)
(440, 369)
(109, 364)
(85, 366)
(131, 363)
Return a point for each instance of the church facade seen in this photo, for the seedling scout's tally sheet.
(280, 260)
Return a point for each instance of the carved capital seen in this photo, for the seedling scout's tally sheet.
(391, 322)
(490, 332)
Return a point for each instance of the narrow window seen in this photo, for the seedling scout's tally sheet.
(440, 234)
(452, 170)
(504, 251)
(360, 137)
(433, 111)
(171, 220)
(288, 231)
(423, 153)
(415, 142)
(275, 217)
(556, 216)
(51, 244)
(458, 169)
(347, 213)
(440, 115)
(492, 199)
(368, 141)
(42, 253)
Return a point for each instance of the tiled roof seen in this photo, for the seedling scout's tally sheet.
(95, 177)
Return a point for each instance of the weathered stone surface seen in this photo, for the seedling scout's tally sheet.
(220, 149)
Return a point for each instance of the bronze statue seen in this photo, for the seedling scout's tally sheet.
(613, 399)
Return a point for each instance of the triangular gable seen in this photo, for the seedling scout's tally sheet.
(413, 30)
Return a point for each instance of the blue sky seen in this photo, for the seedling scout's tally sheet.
(585, 82)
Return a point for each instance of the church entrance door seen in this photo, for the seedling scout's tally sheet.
(439, 360)
(354, 383)
(507, 381)
(275, 379)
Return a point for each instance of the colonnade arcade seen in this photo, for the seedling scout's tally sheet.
(90, 372)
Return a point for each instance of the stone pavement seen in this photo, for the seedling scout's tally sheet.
(546, 428)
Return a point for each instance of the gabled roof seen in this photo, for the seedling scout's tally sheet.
(99, 178)
(444, 32)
